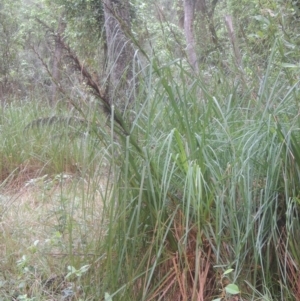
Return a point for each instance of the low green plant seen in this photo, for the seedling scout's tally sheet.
(228, 288)
(73, 272)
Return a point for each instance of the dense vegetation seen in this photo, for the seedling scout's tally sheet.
(180, 182)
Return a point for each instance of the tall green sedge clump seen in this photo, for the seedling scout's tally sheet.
(207, 195)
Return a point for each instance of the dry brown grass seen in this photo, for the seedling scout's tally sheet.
(190, 274)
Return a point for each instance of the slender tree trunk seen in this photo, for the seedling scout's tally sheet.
(189, 8)
(180, 13)
(207, 12)
(231, 32)
(236, 49)
(120, 52)
(56, 61)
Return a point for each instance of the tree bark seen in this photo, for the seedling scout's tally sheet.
(237, 53)
(207, 11)
(189, 8)
(56, 61)
(120, 52)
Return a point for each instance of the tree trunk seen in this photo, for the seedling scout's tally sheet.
(56, 61)
(207, 12)
(189, 8)
(120, 53)
(237, 53)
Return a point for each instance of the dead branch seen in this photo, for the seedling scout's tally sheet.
(88, 78)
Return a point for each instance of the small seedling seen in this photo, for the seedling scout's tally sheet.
(77, 273)
(229, 289)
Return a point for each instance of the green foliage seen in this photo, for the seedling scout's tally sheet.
(209, 159)
(73, 272)
(10, 46)
(230, 289)
(85, 30)
(155, 27)
(28, 140)
(205, 178)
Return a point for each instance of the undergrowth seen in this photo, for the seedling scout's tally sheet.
(200, 199)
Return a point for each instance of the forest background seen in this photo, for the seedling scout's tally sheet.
(150, 150)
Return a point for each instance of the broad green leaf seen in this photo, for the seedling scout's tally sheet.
(232, 289)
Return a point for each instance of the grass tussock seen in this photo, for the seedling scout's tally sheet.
(199, 200)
